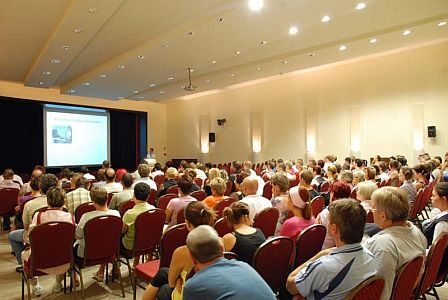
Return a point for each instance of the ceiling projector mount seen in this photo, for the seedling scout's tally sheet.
(190, 87)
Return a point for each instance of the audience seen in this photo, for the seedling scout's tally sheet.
(126, 194)
(255, 202)
(177, 205)
(218, 187)
(112, 186)
(143, 171)
(280, 185)
(78, 196)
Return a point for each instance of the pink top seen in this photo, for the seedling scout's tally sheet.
(177, 205)
(292, 227)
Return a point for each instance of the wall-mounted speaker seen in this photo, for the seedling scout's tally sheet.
(211, 137)
(431, 131)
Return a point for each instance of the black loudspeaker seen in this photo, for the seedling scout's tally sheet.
(432, 131)
(211, 137)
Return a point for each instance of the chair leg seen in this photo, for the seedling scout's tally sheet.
(121, 279)
(129, 270)
(72, 282)
(23, 288)
(65, 283)
(82, 283)
(107, 273)
(134, 287)
(28, 288)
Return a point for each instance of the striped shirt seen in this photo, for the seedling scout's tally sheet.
(76, 198)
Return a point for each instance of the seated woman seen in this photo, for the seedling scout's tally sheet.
(218, 187)
(177, 205)
(35, 192)
(438, 224)
(406, 176)
(280, 185)
(421, 176)
(168, 283)
(299, 203)
(364, 192)
(212, 174)
(245, 239)
(55, 213)
(238, 195)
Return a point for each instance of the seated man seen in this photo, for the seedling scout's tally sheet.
(8, 181)
(256, 203)
(390, 208)
(143, 171)
(101, 177)
(333, 273)
(112, 186)
(79, 196)
(126, 194)
(217, 277)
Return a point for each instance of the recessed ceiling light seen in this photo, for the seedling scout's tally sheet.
(121, 67)
(103, 75)
(293, 30)
(41, 83)
(152, 85)
(77, 30)
(360, 6)
(325, 19)
(162, 92)
(258, 69)
(65, 47)
(284, 62)
(190, 33)
(119, 98)
(135, 92)
(406, 32)
(263, 43)
(141, 57)
(443, 23)
(170, 78)
(86, 83)
(231, 75)
(373, 41)
(312, 54)
(237, 52)
(93, 10)
(46, 73)
(164, 45)
(213, 61)
(141, 97)
(221, 19)
(207, 81)
(71, 91)
(55, 61)
(256, 5)
(342, 48)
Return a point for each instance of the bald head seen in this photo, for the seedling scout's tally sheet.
(36, 173)
(110, 175)
(250, 186)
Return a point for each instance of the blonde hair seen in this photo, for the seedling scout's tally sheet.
(393, 202)
(219, 185)
(171, 173)
(366, 188)
(213, 173)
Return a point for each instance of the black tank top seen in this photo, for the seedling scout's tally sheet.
(246, 245)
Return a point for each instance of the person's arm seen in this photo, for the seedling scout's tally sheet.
(176, 266)
(386, 267)
(79, 233)
(126, 223)
(168, 213)
(229, 241)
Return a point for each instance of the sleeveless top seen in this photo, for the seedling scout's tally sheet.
(178, 294)
(429, 226)
(246, 245)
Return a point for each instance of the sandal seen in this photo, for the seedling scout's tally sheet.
(97, 277)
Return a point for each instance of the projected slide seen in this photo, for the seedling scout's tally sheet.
(75, 137)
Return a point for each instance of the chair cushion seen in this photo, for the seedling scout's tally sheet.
(148, 270)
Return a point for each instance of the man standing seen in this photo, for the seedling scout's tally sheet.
(217, 277)
(256, 203)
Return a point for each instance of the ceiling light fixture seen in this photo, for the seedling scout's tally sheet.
(373, 41)
(256, 5)
(443, 23)
(312, 54)
(406, 32)
(284, 62)
(86, 83)
(237, 52)
(325, 19)
(207, 81)
(190, 33)
(71, 91)
(293, 30)
(141, 57)
(93, 10)
(121, 67)
(164, 45)
(213, 61)
(135, 92)
(152, 85)
(103, 75)
(360, 6)
(170, 78)
(162, 92)
(231, 75)
(46, 73)
(190, 87)
(258, 69)
(65, 47)
(41, 83)
(77, 30)
(263, 43)
(221, 19)
(55, 61)
(342, 48)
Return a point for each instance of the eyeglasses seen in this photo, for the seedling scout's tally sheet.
(374, 209)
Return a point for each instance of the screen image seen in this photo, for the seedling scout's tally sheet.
(75, 136)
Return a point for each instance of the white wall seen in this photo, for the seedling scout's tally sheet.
(382, 90)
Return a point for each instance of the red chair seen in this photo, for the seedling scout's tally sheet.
(223, 227)
(413, 215)
(163, 201)
(82, 209)
(125, 206)
(219, 207)
(230, 255)
(309, 243)
(8, 202)
(109, 197)
(370, 289)
(294, 182)
(370, 218)
(433, 262)
(353, 194)
(148, 232)
(102, 237)
(180, 218)
(172, 190)
(267, 190)
(152, 197)
(271, 261)
(266, 221)
(317, 205)
(172, 239)
(51, 246)
(159, 180)
(324, 187)
(229, 185)
(199, 195)
(198, 182)
(406, 279)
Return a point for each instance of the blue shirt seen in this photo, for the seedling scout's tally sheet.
(333, 276)
(227, 279)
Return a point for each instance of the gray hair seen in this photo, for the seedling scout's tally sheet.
(204, 244)
(393, 201)
(366, 188)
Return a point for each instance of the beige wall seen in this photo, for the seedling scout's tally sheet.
(156, 112)
(381, 93)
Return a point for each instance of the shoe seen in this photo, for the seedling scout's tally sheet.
(19, 269)
(37, 290)
(57, 288)
(97, 277)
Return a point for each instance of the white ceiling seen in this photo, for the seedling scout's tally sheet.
(205, 35)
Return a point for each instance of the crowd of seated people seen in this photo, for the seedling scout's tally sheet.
(388, 190)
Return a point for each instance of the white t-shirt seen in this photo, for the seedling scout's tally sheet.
(256, 204)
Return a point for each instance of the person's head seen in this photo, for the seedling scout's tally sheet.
(421, 171)
(218, 186)
(347, 220)
(394, 164)
(196, 214)
(370, 173)
(213, 173)
(332, 172)
(406, 174)
(299, 199)
(84, 170)
(40, 168)
(223, 174)
(317, 171)
(171, 173)
(142, 191)
(402, 160)
(82, 183)
(237, 213)
(306, 176)
(339, 190)
(65, 173)
(390, 206)
(98, 195)
(185, 183)
(359, 163)
(280, 184)
(346, 176)
(440, 196)
(36, 173)
(119, 174)
(204, 244)
(110, 175)
(34, 183)
(358, 177)
(126, 180)
(247, 165)
(143, 170)
(8, 174)
(238, 167)
(106, 164)
(55, 197)
(281, 167)
(48, 181)
(365, 190)
(102, 174)
(383, 166)
(191, 172)
(249, 186)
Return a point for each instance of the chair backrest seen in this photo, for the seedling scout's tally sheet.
(172, 239)
(148, 231)
(369, 218)
(198, 181)
(82, 209)
(267, 190)
(271, 261)
(424, 198)
(199, 195)
(8, 201)
(109, 197)
(229, 185)
(172, 190)
(163, 201)
(433, 262)
(159, 179)
(416, 206)
(265, 177)
(294, 182)
(266, 220)
(223, 227)
(152, 197)
(124, 206)
(51, 245)
(317, 205)
(406, 278)
(309, 243)
(324, 187)
(219, 207)
(180, 218)
(353, 194)
(102, 239)
(371, 288)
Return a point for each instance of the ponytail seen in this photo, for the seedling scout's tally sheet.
(306, 211)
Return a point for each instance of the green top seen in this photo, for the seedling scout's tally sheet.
(129, 219)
